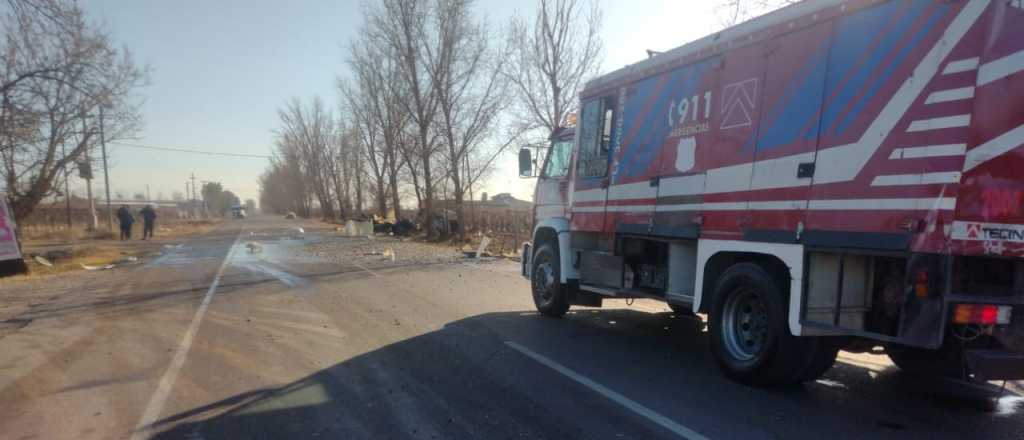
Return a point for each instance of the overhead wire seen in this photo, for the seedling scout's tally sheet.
(188, 150)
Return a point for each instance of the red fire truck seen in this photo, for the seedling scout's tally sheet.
(833, 175)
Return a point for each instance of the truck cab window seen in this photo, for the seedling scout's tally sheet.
(606, 132)
(557, 164)
(597, 121)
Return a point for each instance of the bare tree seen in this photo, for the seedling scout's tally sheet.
(377, 104)
(404, 27)
(466, 71)
(307, 135)
(553, 55)
(56, 73)
(283, 188)
(733, 12)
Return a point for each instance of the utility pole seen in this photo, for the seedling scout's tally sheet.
(67, 185)
(194, 200)
(188, 197)
(93, 221)
(106, 175)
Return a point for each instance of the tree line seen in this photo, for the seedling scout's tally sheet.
(431, 97)
(63, 84)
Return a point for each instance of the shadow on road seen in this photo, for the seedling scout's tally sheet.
(463, 381)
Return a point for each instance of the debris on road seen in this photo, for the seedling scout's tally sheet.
(380, 251)
(254, 247)
(94, 268)
(39, 259)
(483, 246)
(357, 229)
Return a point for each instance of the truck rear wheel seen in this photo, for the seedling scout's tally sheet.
(750, 335)
(549, 294)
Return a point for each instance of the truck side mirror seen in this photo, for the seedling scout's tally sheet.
(525, 163)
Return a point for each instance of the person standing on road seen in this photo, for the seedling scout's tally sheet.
(148, 221)
(124, 216)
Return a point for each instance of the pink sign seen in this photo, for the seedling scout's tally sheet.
(8, 242)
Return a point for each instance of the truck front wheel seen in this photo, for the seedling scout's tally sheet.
(750, 334)
(545, 281)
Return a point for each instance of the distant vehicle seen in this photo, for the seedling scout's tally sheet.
(833, 175)
(238, 212)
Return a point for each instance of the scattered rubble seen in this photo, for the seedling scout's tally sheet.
(381, 250)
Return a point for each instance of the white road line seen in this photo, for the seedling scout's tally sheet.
(963, 65)
(367, 270)
(632, 405)
(163, 389)
(950, 95)
(928, 151)
(940, 123)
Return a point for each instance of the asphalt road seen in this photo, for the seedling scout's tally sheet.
(213, 341)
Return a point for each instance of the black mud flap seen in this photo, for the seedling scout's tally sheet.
(579, 297)
(527, 260)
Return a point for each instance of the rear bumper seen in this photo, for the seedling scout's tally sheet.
(996, 364)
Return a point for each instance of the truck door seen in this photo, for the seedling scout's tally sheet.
(553, 183)
(590, 186)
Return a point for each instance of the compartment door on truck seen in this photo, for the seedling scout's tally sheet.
(787, 139)
(683, 133)
(727, 164)
(590, 186)
(8, 242)
(887, 149)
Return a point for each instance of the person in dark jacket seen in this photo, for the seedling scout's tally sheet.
(124, 216)
(148, 221)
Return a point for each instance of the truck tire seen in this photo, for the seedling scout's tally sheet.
(549, 294)
(750, 336)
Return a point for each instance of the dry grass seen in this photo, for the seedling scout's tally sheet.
(43, 236)
(183, 228)
(89, 255)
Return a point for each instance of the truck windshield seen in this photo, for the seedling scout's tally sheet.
(558, 159)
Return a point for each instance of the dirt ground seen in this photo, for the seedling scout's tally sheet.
(45, 237)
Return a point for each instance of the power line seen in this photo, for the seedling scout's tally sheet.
(185, 150)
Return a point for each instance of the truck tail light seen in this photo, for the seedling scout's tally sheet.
(921, 284)
(985, 314)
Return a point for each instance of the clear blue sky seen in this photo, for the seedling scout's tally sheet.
(221, 69)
